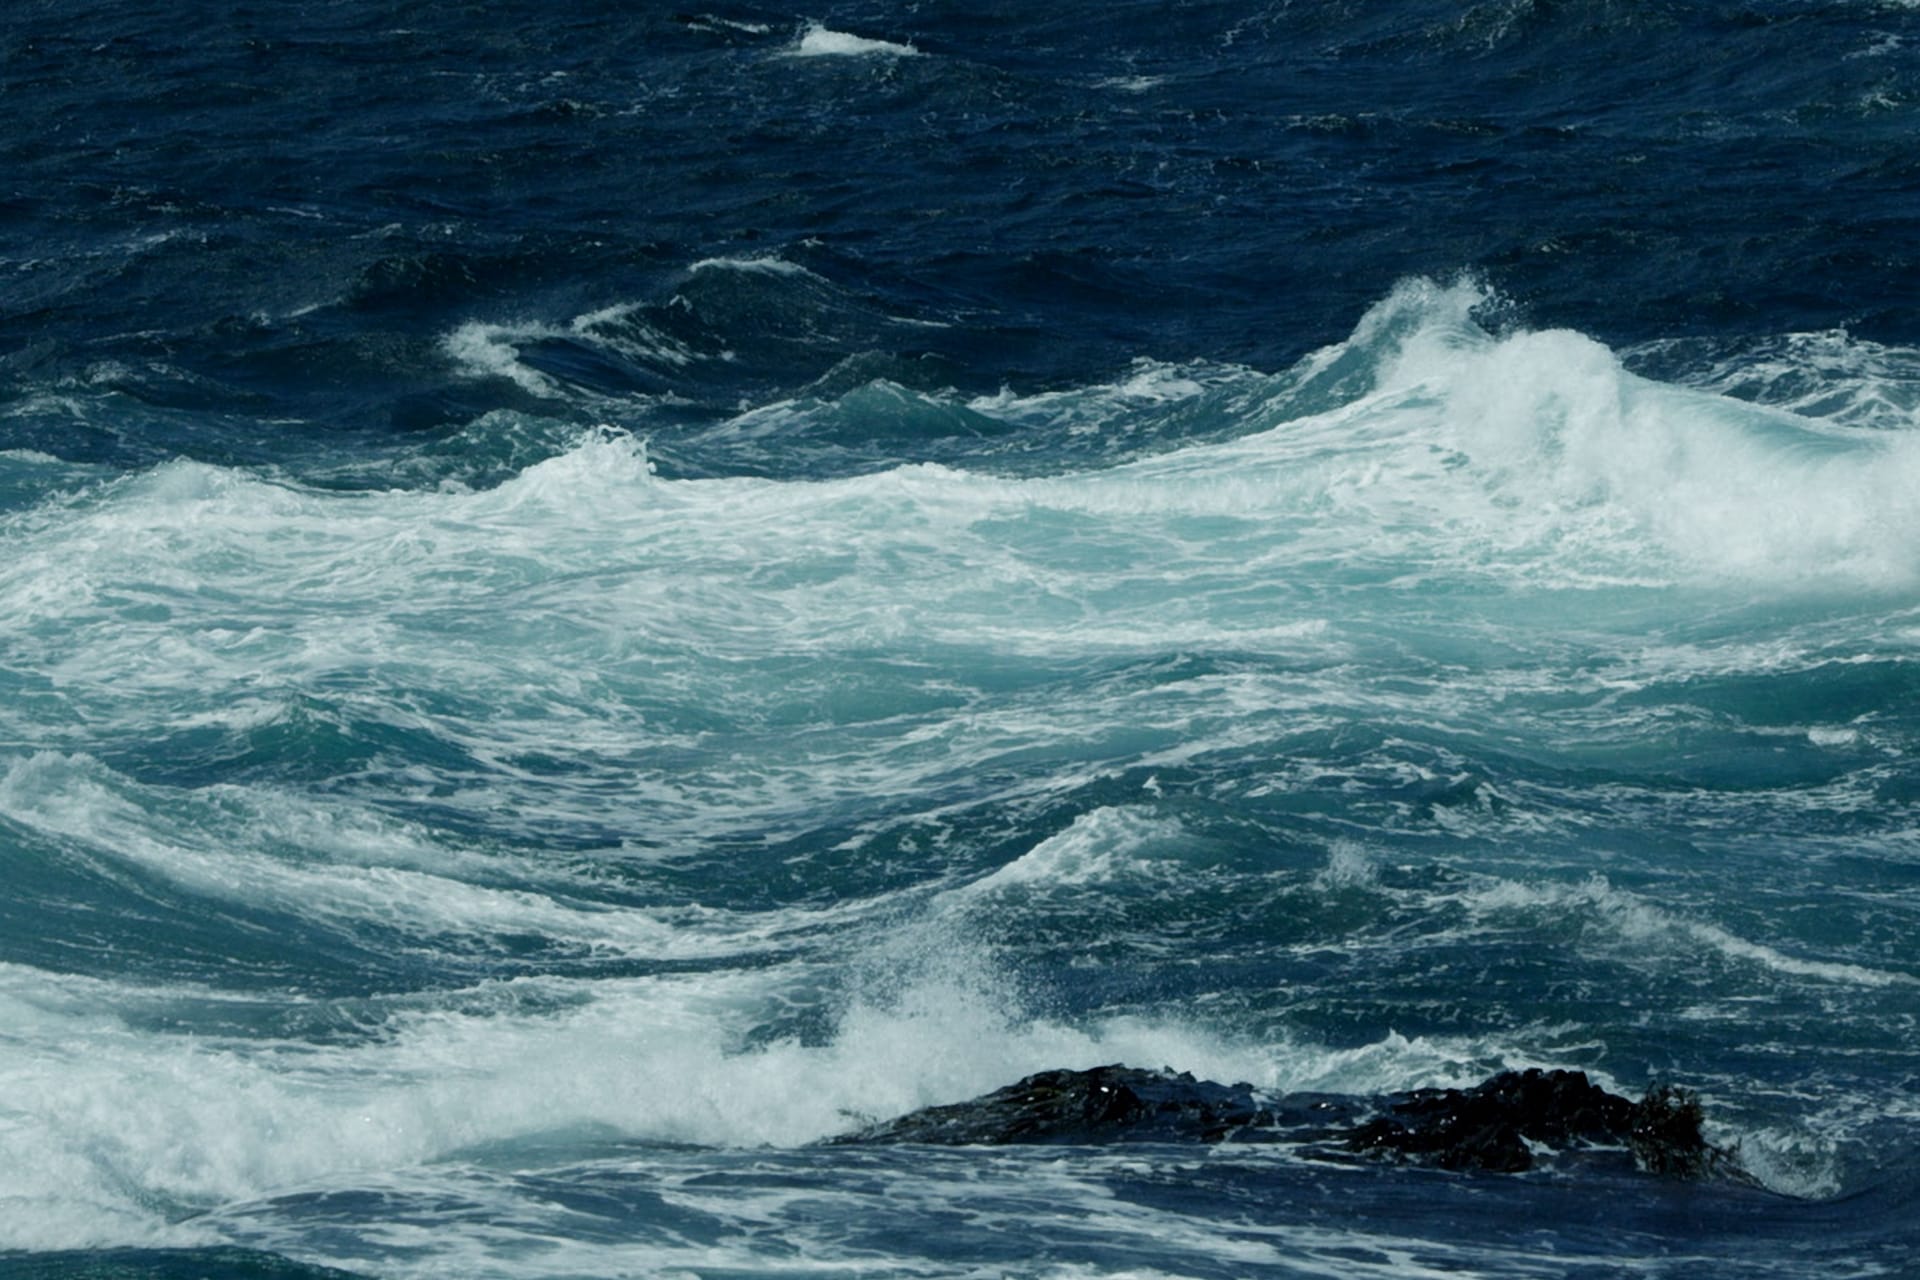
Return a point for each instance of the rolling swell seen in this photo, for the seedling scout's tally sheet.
(1195, 166)
(843, 622)
(592, 602)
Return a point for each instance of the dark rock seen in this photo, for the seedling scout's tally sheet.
(1663, 1131)
(1505, 1124)
(1102, 1105)
(1495, 1125)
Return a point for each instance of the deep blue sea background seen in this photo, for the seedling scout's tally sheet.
(592, 595)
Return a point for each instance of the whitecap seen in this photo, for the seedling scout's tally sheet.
(482, 350)
(818, 41)
(766, 264)
(1100, 845)
(1626, 917)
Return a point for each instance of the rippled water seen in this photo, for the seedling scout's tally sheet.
(590, 601)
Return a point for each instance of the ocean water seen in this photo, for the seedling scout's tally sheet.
(593, 595)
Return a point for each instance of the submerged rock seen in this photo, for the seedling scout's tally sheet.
(1505, 1124)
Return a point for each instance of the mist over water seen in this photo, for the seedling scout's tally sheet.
(589, 602)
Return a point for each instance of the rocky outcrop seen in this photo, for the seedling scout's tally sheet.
(1507, 1124)
(1105, 1104)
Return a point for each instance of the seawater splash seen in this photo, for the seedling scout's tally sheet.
(1427, 445)
(1724, 487)
(1043, 597)
(1376, 724)
(136, 1132)
(1536, 452)
(133, 1130)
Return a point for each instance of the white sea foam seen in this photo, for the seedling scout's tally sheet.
(1150, 387)
(733, 24)
(1588, 456)
(484, 350)
(586, 582)
(1829, 376)
(783, 1214)
(333, 867)
(1532, 456)
(1349, 865)
(616, 327)
(818, 41)
(766, 264)
(706, 652)
(1623, 917)
(1092, 849)
(1531, 459)
(130, 1127)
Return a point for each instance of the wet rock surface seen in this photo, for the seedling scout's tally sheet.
(1510, 1123)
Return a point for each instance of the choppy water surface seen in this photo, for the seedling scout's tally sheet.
(589, 601)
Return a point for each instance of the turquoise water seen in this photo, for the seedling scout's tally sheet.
(1457, 702)
(586, 604)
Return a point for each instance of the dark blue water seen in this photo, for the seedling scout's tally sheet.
(589, 598)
